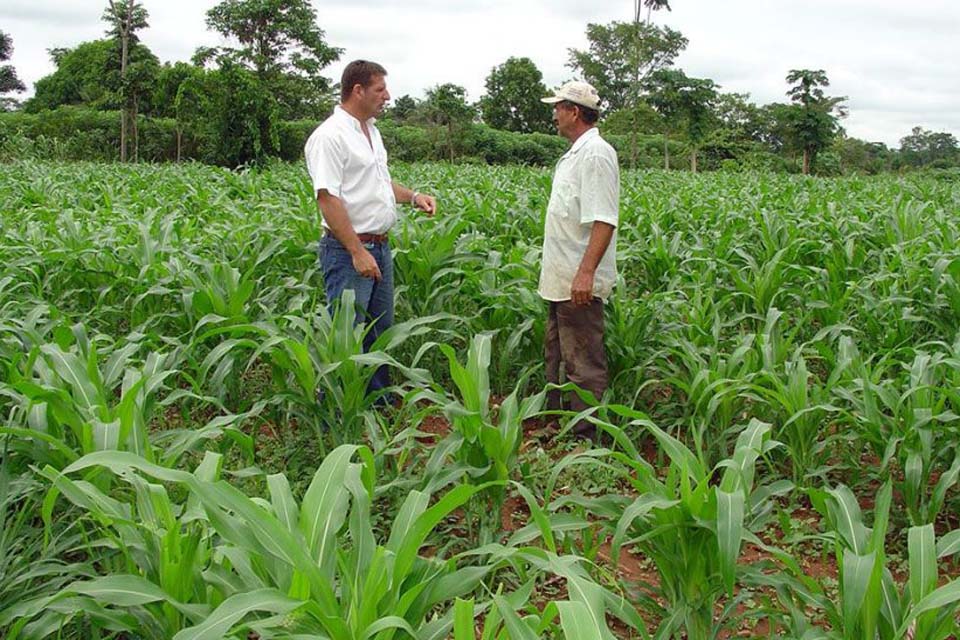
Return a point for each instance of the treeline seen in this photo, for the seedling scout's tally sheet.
(112, 98)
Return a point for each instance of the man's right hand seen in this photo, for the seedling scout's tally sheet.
(365, 264)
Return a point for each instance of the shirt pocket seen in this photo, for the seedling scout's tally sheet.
(563, 200)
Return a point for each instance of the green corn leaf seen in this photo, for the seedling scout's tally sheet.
(921, 546)
(576, 621)
(323, 509)
(120, 590)
(856, 583)
(845, 512)
(69, 367)
(284, 504)
(948, 544)
(730, 508)
(943, 600)
(233, 610)
(463, 620)
(517, 629)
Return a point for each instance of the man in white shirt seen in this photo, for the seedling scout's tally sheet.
(579, 249)
(358, 200)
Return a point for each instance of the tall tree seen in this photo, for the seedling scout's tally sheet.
(89, 75)
(446, 106)
(403, 108)
(651, 6)
(621, 56)
(615, 53)
(813, 119)
(8, 75)
(280, 41)
(687, 106)
(923, 147)
(125, 18)
(512, 102)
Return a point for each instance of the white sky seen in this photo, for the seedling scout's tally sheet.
(895, 60)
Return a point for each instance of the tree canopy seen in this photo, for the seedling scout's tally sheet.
(513, 98)
(621, 54)
(9, 81)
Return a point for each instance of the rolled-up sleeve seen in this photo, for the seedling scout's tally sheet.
(325, 162)
(600, 190)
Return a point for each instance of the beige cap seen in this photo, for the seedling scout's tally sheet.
(577, 92)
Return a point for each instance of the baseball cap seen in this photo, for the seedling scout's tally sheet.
(577, 92)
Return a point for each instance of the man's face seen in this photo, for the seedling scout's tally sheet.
(374, 98)
(564, 116)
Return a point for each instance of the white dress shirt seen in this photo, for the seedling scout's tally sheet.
(341, 160)
(586, 189)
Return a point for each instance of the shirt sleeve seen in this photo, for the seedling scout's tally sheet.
(325, 162)
(600, 190)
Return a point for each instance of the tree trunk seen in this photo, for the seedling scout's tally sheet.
(633, 139)
(179, 142)
(135, 128)
(450, 140)
(666, 153)
(124, 55)
(123, 134)
(806, 162)
(693, 160)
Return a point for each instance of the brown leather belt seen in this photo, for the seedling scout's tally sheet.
(376, 238)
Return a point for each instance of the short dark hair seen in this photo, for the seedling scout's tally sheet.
(359, 72)
(586, 114)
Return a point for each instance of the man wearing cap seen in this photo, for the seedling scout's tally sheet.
(357, 201)
(579, 249)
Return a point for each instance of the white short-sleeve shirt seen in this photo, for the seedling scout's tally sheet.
(341, 160)
(586, 189)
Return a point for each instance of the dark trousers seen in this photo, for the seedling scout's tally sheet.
(574, 339)
(374, 299)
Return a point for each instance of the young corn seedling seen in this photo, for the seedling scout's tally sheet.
(276, 568)
(693, 529)
(870, 604)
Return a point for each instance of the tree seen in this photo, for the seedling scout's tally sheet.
(125, 19)
(240, 118)
(618, 50)
(512, 102)
(446, 106)
(8, 75)
(89, 75)
(686, 105)
(279, 41)
(282, 49)
(621, 56)
(403, 108)
(812, 121)
(180, 93)
(923, 147)
(651, 6)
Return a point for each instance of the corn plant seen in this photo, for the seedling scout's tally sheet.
(870, 604)
(227, 556)
(693, 529)
(321, 373)
(801, 404)
(31, 566)
(484, 441)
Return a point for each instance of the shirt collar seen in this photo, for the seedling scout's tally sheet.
(592, 132)
(355, 123)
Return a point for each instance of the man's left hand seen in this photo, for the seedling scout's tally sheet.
(425, 203)
(581, 290)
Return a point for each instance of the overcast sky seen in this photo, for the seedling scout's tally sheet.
(895, 60)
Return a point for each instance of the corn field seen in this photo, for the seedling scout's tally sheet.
(189, 450)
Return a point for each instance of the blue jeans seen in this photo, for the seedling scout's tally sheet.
(374, 299)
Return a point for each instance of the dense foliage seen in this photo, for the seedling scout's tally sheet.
(188, 450)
